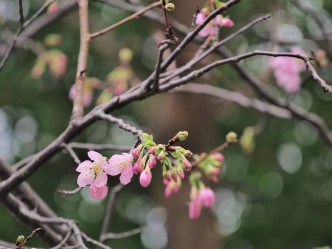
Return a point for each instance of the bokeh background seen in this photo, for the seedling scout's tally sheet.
(278, 196)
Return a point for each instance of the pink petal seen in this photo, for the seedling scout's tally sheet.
(84, 166)
(200, 18)
(118, 163)
(84, 179)
(206, 31)
(98, 193)
(101, 179)
(126, 175)
(218, 20)
(114, 165)
(95, 156)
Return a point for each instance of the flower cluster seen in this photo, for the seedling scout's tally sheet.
(144, 158)
(200, 196)
(172, 158)
(219, 21)
(141, 160)
(287, 70)
(211, 165)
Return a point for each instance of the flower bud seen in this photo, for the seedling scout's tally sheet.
(152, 161)
(218, 156)
(231, 137)
(125, 55)
(135, 152)
(152, 150)
(227, 22)
(181, 173)
(20, 239)
(206, 197)
(161, 155)
(170, 7)
(145, 177)
(194, 208)
(182, 135)
(186, 163)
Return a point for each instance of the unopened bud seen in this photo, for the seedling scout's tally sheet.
(170, 7)
(231, 137)
(182, 135)
(125, 55)
(20, 239)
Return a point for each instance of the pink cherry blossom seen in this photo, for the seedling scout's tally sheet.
(92, 172)
(98, 193)
(121, 164)
(194, 208)
(206, 197)
(209, 28)
(145, 177)
(287, 70)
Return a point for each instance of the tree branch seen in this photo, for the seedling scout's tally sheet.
(82, 62)
(134, 16)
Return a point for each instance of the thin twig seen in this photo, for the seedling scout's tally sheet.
(162, 49)
(132, 17)
(65, 239)
(71, 153)
(216, 45)
(34, 232)
(235, 97)
(120, 123)
(109, 211)
(123, 235)
(95, 242)
(64, 193)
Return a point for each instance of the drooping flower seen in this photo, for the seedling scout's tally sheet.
(194, 208)
(121, 164)
(92, 172)
(287, 70)
(145, 177)
(206, 197)
(98, 193)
